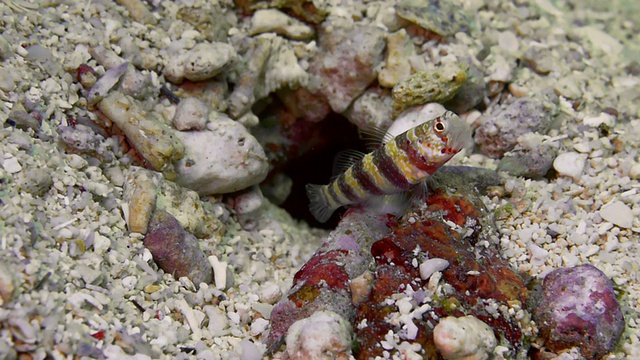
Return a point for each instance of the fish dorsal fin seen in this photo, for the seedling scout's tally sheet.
(374, 136)
(344, 160)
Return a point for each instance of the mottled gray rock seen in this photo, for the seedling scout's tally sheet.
(499, 133)
(471, 92)
(176, 251)
(34, 180)
(531, 158)
(22, 120)
(82, 139)
(347, 63)
(443, 17)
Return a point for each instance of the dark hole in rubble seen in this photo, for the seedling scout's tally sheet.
(315, 166)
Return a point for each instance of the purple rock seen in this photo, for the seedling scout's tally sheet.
(578, 308)
(176, 251)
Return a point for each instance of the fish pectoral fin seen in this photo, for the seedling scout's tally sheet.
(344, 160)
(374, 137)
(318, 203)
(395, 204)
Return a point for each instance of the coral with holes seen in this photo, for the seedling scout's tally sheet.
(322, 284)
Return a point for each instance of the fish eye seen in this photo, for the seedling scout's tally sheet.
(439, 126)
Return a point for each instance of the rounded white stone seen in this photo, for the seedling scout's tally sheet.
(430, 266)
(618, 213)
(11, 165)
(634, 172)
(465, 338)
(570, 164)
(222, 159)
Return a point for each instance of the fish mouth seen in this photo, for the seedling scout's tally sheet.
(459, 134)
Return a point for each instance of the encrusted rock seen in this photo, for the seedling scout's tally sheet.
(400, 49)
(273, 20)
(268, 65)
(443, 17)
(322, 284)
(348, 63)
(499, 133)
(372, 110)
(530, 158)
(146, 191)
(578, 307)
(175, 250)
(202, 62)
(153, 139)
(223, 158)
(438, 84)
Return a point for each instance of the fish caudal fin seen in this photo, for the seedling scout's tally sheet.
(318, 203)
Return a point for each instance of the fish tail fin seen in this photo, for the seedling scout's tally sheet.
(318, 203)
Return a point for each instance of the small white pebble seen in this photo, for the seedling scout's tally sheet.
(11, 165)
(570, 164)
(404, 306)
(258, 326)
(219, 272)
(129, 282)
(582, 147)
(617, 213)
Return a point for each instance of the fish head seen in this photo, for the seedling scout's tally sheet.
(443, 137)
